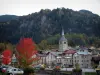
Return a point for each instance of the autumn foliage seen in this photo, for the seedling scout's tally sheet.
(26, 52)
(6, 57)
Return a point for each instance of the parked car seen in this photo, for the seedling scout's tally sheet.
(13, 71)
(37, 67)
(3, 68)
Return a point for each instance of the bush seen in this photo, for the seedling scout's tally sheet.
(77, 70)
(56, 72)
(1, 73)
(28, 71)
(42, 68)
(90, 73)
(66, 73)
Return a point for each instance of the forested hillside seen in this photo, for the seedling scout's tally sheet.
(48, 23)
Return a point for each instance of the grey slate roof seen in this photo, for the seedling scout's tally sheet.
(63, 38)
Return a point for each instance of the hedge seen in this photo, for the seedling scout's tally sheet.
(90, 73)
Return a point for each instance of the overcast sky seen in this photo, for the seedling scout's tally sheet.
(25, 7)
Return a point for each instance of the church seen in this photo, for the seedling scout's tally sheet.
(66, 56)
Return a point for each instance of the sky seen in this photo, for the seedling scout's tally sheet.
(25, 7)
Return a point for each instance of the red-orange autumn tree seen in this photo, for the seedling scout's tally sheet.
(26, 52)
(6, 57)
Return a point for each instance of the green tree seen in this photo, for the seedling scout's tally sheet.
(2, 47)
(10, 46)
(37, 47)
(43, 45)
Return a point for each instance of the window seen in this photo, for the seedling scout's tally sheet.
(64, 42)
(70, 60)
(19, 70)
(75, 60)
(14, 69)
(87, 65)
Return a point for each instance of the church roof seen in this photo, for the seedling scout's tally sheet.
(63, 38)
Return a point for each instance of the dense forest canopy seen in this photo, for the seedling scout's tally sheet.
(46, 25)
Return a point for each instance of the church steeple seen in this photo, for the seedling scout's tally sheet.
(62, 31)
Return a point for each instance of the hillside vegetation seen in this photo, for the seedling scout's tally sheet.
(45, 24)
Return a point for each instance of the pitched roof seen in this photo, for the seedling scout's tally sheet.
(69, 51)
(63, 38)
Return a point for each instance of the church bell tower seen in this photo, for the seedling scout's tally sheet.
(63, 43)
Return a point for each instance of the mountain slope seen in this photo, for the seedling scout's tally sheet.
(45, 23)
(5, 18)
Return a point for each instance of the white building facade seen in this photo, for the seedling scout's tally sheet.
(83, 58)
